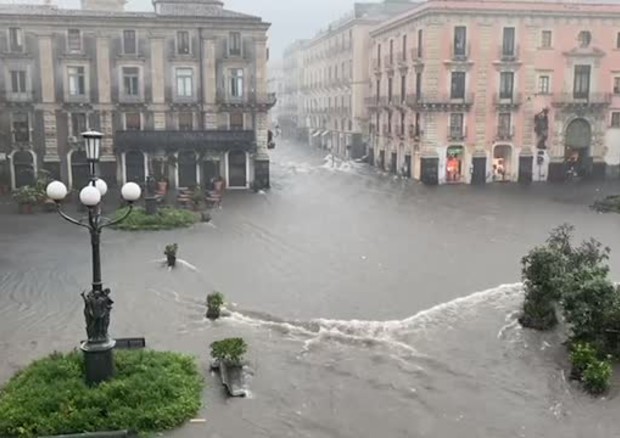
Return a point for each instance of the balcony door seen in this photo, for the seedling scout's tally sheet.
(237, 169)
(581, 85)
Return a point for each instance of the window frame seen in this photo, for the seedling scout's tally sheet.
(454, 85)
(181, 127)
(125, 125)
(72, 119)
(135, 42)
(235, 49)
(133, 83)
(21, 82)
(19, 34)
(79, 41)
(539, 89)
(15, 132)
(236, 82)
(178, 41)
(505, 91)
(543, 41)
(82, 75)
(178, 78)
(617, 120)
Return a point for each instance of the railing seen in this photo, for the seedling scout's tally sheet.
(508, 54)
(268, 99)
(216, 138)
(27, 96)
(581, 99)
(501, 99)
(461, 53)
(427, 98)
(505, 133)
(456, 133)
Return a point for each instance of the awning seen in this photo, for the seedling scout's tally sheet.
(324, 133)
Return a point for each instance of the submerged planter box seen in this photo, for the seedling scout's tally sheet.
(232, 377)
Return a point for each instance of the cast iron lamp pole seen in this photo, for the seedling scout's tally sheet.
(97, 303)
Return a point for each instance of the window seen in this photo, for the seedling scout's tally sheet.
(234, 47)
(391, 51)
(618, 40)
(131, 81)
(506, 84)
(236, 82)
(390, 82)
(456, 125)
(74, 40)
(420, 42)
(457, 88)
(615, 119)
(418, 84)
(378, 89)
(504, 125)
(129, 42)
(545, 40)
(78, 124)
(389, 123)
(236, 121)
(402, 123)
(581, 85)
(21, 127)
(76, 79)
(379, 54)
(133, 121)
(584, 38)
(460, 40)
(617, 85)
(403, 88)
(18, 81)
(185, 82)
(544, 84)
(418, 128)
(508, 41)
(404, 54)
(16, 39)
(183, 42)
(186, 121)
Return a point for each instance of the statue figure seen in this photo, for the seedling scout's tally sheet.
(151, 186)
(97, 308)
(541, 127)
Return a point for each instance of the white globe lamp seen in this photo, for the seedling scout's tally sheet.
(101, 186)
(131, 192)
(90, 196)
(56, 191)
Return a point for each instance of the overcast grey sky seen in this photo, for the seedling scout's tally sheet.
(290, 19)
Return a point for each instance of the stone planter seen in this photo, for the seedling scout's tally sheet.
(232, 378)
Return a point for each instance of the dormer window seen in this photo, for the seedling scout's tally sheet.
(183, 47)
(16, 40)
(74, 40)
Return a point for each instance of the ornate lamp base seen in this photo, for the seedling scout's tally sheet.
(99, 361)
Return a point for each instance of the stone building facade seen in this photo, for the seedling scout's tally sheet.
(290, 99)
(336, 79)
(179, 93)
(480, 91)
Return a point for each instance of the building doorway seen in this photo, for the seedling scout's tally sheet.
(502, 163)
(237, 169)
(382, 160)
(577, 148)
(210, 172)
(80, 170)
(407, 167)
(394, 163)
(187, 169)
(134, 167)
(454, 164)
(23, 168)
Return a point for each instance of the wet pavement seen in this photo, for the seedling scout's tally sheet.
(358, 293)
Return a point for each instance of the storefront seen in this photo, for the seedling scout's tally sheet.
(454, 164)
(502, 163)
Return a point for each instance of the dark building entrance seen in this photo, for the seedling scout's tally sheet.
(394, 163)
(210, 170)
(187, 169)
(23, 166)
(134, 167)
(237, 169)
(577, 148)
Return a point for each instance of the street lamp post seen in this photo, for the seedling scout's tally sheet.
(97, 302)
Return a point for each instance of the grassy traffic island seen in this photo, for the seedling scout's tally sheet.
(152, 392)
(165, 219)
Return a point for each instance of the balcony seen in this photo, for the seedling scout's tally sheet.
(505, 133)
(442, 102)
(217, 139)
(460, 54)
(414, 131)
(261, 101)
(416, 55)
(508, 54)
(388, 60)
(507, 101)
(456, 133)
(17, 98)
(412, 100)
(581, 100)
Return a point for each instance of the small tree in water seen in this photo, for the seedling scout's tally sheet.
(214, 303)
(171, 254)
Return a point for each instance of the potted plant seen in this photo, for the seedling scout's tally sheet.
(228, 360)
(171, 254)
(26, 197)
(214, 302)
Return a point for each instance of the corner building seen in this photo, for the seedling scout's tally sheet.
(179, 93)
(456, 87)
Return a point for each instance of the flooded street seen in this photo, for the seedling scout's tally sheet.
(372, 306)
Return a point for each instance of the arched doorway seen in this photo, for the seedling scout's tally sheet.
(454, 164)
(187, 169)
(134, 167)
(237, 169)
(79, 170)
(502, 162)
(23, 168)
(578, 138)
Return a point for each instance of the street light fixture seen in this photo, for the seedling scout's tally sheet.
(97, 303)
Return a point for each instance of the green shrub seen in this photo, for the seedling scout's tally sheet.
(229, 350)
(597, 377)
(581, 355)
(609, 204)
(164, 219)
(152, 391)
(214, 302)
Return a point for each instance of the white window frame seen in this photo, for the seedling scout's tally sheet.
(239, 80)
(26, 84)
(183, 86)
(230, 40)
(68, 79)
(138, 75)
(538, 79)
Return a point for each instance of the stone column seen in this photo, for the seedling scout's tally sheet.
(104, 91)
(158, 80)
(48, 97)
(209, 81)
(261, 164)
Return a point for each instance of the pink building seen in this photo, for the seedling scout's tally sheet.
(481, 91)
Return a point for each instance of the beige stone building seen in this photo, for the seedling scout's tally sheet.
(336, 79)
(179, 93)
(290, 97)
